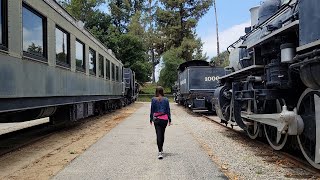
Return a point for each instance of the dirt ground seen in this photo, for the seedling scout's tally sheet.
(44, 158)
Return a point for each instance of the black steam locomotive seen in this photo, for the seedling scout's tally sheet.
(274, 87)
(197, 81)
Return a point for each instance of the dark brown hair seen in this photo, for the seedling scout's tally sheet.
(159, 91)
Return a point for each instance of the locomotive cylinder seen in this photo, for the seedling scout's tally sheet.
(277, 74)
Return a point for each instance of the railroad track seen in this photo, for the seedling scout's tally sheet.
(296, 161)
(18, 139)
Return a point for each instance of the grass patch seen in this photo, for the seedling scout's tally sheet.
(148, 97)
(149, 88)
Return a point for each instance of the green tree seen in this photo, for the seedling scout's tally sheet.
(100, 25)
(171, 59)
(135, 26)
(198, 55)
(154, 39)
(81, 9)
(132, 53)
(131, 17)
(222, 60)
(142, 24)
(192, 49)
(123, 10)
(178, 19)
(120, 11)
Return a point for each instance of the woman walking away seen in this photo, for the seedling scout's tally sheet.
(160, 116)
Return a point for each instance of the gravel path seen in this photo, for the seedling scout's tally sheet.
(238, 157)
(129, 152)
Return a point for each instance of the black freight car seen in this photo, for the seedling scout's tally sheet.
(131, 86)
(197, 81)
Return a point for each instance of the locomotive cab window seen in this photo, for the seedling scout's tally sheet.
(62, 47)
(3, 24)
(101, 66)
(34, 33)
(92, 61)
(108, 69)
(80, 56)
(113, 72)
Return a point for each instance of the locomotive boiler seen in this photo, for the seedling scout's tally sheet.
(273, 89)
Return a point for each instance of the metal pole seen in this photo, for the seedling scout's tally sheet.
(153, 44)
(153, 67)
(217, 30)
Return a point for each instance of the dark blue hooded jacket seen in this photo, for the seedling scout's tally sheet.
(160, 106)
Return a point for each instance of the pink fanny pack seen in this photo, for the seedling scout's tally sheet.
(161, 116)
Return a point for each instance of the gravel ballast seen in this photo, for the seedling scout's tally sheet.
(236, 155)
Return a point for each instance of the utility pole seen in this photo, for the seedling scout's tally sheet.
(153, 65)
(217, 30)
(153, 44)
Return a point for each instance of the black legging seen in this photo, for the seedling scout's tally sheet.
(160, 130)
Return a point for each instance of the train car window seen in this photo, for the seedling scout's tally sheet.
(113, 72)
(108, 69)
(3, 24)
(62, 47)
(121, 74)
(101, 66)
(34, 33)
(80, 56)
(92, 61)
(117, 73)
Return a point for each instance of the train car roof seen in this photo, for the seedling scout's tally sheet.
(184, 65)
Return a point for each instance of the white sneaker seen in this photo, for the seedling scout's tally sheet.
(160, 156)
